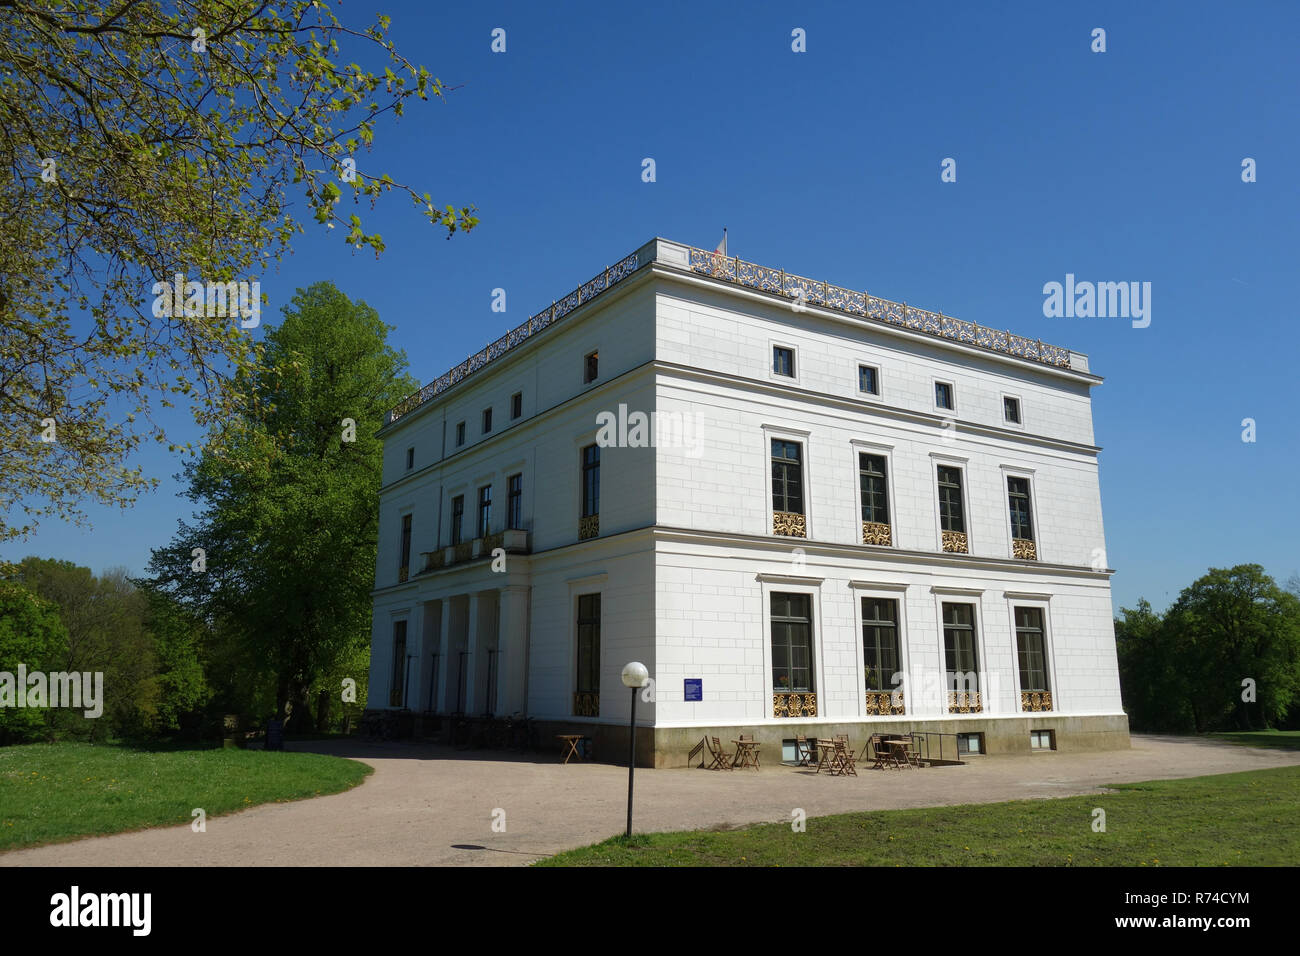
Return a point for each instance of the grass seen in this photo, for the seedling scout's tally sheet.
(1237, 819)
(50, 793)
(1276, 739)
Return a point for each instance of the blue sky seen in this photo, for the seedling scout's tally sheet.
(1115, 166)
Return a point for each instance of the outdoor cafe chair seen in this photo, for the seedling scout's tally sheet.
(721, 759)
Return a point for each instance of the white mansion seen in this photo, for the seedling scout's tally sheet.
(805, 509)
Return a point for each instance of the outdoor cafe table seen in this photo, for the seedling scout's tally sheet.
(898, 749)
(746, 754)
(825, 753)
(572, 740)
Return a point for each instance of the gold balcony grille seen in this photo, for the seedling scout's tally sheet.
(794, 705)
(964, 702)
(873, 532)
(1024, 548)
(464, 551)
(882, 703)
(788, 523)
(588, 527)
(955, 542)
(403, 574)
(586, 703)
(1036, 700)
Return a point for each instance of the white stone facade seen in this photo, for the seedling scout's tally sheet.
(685, 557)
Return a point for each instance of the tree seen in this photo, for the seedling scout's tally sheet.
(1152, 690)
(1238, 626)
(30, 634)
(143, 140)
(287, 489)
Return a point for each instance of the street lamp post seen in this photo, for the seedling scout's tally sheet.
(634, 677)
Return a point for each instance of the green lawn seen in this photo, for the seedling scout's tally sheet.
(1278, 739)
(1238, 819)
(55, 792)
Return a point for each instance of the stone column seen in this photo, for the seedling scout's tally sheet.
(512, 642)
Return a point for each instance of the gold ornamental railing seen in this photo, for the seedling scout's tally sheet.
(883, 703)
(790, 524)
(1024, 548)
(955, 542)
(1036, 700)
(794, 705)
(586, 703)
(874, 532)
(964, 702)
(588, 527)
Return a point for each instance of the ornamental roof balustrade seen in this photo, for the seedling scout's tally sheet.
(764, 279)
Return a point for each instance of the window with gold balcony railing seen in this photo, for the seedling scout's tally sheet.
(794, 705)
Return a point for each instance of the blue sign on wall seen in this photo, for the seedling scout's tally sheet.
(694, 688)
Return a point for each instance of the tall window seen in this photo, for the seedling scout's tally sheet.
(1022, 525)
(397, 680)
(959, 648)
(460, 434)
(405, 564)
(515, 501)
(951, 515)
(588, 669)
(782, 361)
(1030, 649)
(591, 367)
(487, 420)
(457, 519)
(484, 511)
(787, 478)
(875, 497)
(410, 458)
(792, 643)
(880, 642)
(516, 404)
(591, 481)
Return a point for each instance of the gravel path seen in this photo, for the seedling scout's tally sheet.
(428, 805)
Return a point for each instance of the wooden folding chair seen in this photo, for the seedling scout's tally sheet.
(844, 758)
(879, 752)
(721, 759)
(803, 751)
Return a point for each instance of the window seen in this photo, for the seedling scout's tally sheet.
(515, 501)
(487, 420)
(951, 515)
(1011, 409)
(880, 642)
(782, 361)
(405, 564)
(1030, 649)
(484, 511)
(591, 481)
(787, 478)
(460, 434)
(588, 662)
(1042, 740)
(875, 497)
(516, 404)
(943, 395)
(960, 652)
(590, 367)
(410, 458)
(792, 643)
(457, 519)
(397, 679)
(1022, 525)
(970, 743)
(868, 379)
